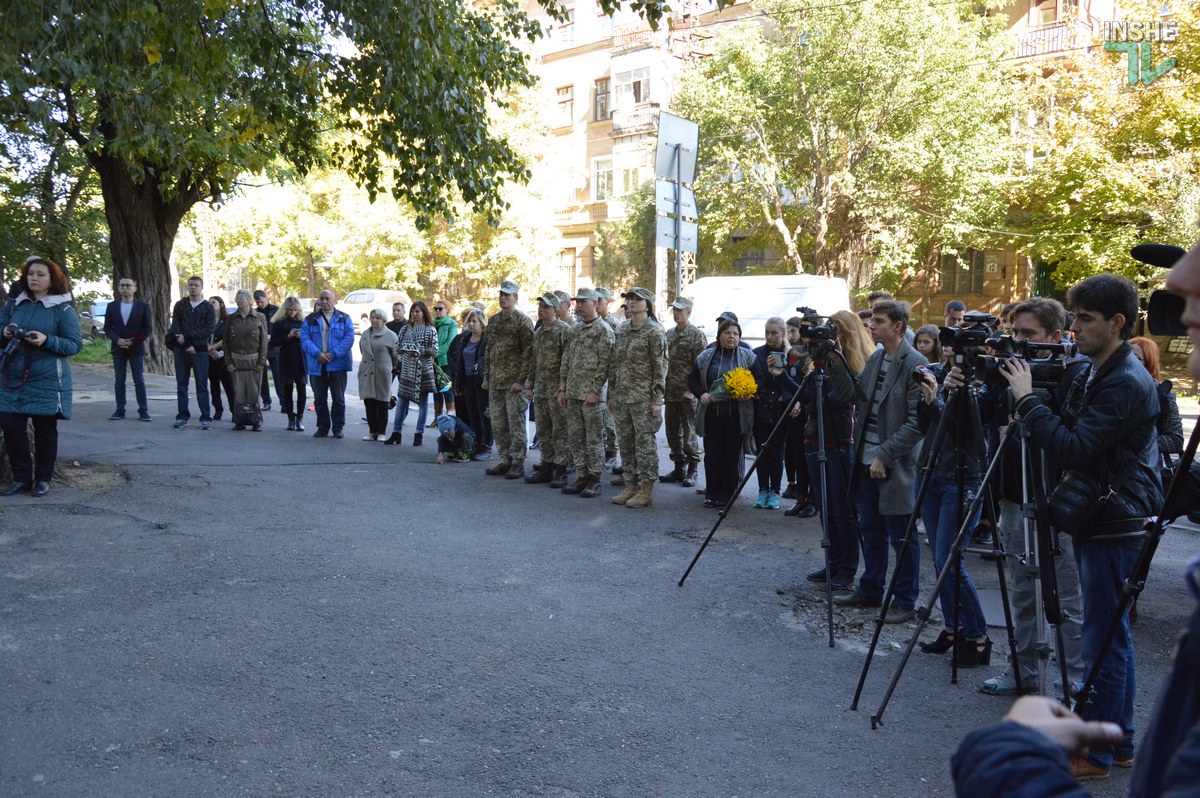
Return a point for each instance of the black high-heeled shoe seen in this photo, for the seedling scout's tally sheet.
(944, 642)
(973, 653)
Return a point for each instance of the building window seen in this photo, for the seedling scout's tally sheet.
(566, 106)
(602, 179)
(566, 265)
(632, 87)
(631, 180)
(602, 109)
(566, 28)
(962, 273)
(1045, 12)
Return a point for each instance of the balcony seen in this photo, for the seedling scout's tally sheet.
(1055, 39)
(640, 118)
(591, 213)
(631, 37)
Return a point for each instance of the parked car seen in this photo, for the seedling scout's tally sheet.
(359, 304)
(89, 325)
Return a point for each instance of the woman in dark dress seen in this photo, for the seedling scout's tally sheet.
(218, 375)
(467, 376)
(285, 334)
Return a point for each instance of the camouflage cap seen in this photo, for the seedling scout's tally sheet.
(603, 293)
(639, 293)
(563, 296)
(682, 302)
(550, 300)
(509, 287)
(586, 293)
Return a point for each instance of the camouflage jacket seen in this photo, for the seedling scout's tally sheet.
(639, 364)
(682, 350)
(612, 321)
(585, 362)
(509, 349)
(549, 346)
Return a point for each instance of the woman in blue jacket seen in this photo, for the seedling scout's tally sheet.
(35, 375)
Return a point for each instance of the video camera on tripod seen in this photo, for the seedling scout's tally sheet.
(818, 337)
(1047, 362)
(969, 339)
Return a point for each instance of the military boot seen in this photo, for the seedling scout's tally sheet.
(498, 470)
(560, 477)
(689, 481)
(644, 496)
(578, 485)
(674, 476)
(631, 487)
(542, 473)
(592, 490)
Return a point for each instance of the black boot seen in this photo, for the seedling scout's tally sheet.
(689, 480)
(291, 422)
(674, 476)
(560, 477)
(418, 438)
(541, 474)
(299, 422)
(392, 441)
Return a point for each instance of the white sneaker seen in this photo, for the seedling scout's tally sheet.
(1004, 684)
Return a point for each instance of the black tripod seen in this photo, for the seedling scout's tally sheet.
(1136, 583)
(819, 376)
(960, 407)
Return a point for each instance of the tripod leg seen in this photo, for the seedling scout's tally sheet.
(998, 552)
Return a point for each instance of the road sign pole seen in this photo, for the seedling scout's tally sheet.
(678, 217)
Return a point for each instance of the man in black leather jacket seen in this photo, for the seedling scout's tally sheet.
(1106, 430)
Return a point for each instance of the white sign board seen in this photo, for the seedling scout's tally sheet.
(673, 130)
(664, 234)
(664, 199)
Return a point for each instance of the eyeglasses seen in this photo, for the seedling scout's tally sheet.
(439, 309)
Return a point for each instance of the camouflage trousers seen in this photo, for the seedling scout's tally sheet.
(681, 431)
(508, 424)
(639, 446)
(586, 429)
(551, 422)
(612, 439)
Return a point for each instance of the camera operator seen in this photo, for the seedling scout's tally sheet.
(1038, 320)
(843, 358)
(1105, 430)
(1027, 753)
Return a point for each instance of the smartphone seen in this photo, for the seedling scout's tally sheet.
(775, 360)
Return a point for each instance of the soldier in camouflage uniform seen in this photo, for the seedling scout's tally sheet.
(635, 395)
(684, 342)
(541, 388)
(611, 439)
(564, 307)
(509, 351)
(581, 386)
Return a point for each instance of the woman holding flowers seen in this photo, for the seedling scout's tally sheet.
(726, 377)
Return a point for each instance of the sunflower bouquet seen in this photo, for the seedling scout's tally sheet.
(736, 384)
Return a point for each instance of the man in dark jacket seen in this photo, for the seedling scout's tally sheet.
(192, 324)
(264, 306)
(1106, 430)
(127, 324)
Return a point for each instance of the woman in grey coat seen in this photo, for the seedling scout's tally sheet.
(40, 333)
(377, 348)
(417, 348)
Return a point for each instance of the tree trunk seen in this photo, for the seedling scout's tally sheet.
(142, 228)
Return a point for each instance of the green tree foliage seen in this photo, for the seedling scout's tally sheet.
(625, 248)
(1108, 165)
(872, 126)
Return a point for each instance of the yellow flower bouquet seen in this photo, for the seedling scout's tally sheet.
(736, 384)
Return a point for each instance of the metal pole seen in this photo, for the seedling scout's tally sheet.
(678, 215)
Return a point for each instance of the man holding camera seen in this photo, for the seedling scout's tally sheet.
(1102, 434)
(886, 468)
(1037, 320)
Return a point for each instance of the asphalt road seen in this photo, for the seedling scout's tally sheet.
(241, 614)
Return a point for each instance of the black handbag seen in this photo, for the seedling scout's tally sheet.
(1080, 501)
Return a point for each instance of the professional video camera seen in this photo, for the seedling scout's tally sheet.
(969, 339)
(811, 328)
(1047, 362)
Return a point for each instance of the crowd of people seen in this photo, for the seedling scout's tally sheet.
(848, 407)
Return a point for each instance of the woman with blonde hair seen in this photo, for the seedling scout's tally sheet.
(377, 347)
(245, 344)
(853, 340)
(285, 337)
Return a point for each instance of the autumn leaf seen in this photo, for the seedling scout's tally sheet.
(153, 56)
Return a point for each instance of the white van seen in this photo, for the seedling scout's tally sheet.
(358, 305)
(756, 299)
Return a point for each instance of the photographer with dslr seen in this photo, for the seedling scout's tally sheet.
(1037, 320)
(1104, 437)
(40, 333)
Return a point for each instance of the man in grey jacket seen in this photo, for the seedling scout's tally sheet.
(885, 466)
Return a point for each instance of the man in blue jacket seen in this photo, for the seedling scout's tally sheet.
(327, 338)
(127, 324)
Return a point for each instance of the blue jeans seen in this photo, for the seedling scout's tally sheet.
(402, 412)
(1103, 569)
(843, 529)
(122, 360)
(185, 366)
(939, 509)
(878, 531)
(327, 385)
